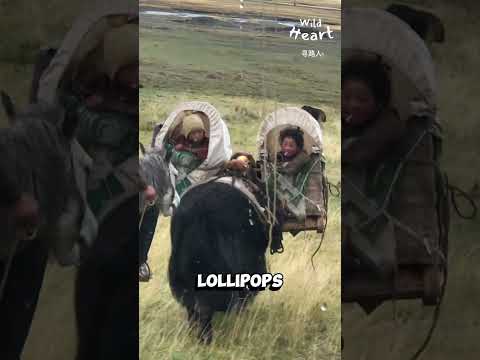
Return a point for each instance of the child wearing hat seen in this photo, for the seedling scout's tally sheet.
(194, 138)
(188, 150)
(104, 99)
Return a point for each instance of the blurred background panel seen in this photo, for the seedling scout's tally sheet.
(397, 329)
(26, 27)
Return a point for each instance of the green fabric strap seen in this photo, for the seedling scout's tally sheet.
(300, 178)
(109, 189)
(182, 186)
(185, 161)
(303, 175)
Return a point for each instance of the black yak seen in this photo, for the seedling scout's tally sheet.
(215, 230)
(428, 26)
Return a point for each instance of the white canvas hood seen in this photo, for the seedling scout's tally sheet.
(219, 148)
(84, 36)
(269, 133)
(413, 72)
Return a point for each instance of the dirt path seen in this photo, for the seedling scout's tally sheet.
(52, 335)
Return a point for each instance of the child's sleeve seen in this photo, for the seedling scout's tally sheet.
(368, 147)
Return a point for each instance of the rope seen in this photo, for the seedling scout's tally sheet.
(455, 193)
(436, 315)
(273, 218)
(382, 210)
(443, 233)
(299, 193)
(325, 204)
(145, 207)
(335, 187)
(307, 175)
(391, 218)
(400, 167)
(443, 224)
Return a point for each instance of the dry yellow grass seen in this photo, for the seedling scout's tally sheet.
(287, 324)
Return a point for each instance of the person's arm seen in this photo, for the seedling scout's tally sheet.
(75, 107)
(369, 147)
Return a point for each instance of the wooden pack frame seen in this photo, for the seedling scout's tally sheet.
(268, 146)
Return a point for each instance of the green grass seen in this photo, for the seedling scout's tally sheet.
(245, 76)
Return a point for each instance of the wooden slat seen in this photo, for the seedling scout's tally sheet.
(362, 286)
(316, 223)
(410, 284)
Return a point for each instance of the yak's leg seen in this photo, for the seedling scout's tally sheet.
(201, 318)
(122, 322)
(88, 300)
(107, 291)
(205, 316)
(20, 299)
(191, 316)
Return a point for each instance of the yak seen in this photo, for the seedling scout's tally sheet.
(428, 26)
(214, 230)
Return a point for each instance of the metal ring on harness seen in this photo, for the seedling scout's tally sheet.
(145, 207)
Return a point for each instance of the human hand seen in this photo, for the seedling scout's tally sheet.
(26, 216)
(150, 194)
(238, 165)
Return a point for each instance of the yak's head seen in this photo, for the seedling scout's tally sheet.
(318, 114)
(427, 25)
(155, 172)
(39, 198)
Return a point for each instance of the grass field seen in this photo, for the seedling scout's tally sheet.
(245, 73)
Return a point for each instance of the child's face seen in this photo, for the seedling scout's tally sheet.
(289, 147)
(358, 102)
(126, 85)
(196, 136)
(127, 76)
